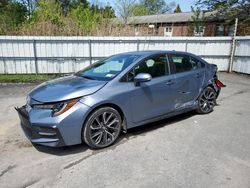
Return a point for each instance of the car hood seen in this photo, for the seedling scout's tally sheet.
(65, 88)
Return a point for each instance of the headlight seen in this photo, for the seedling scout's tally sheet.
(59, 107)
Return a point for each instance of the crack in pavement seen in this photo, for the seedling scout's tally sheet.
(7, 169)
(233, 94)
(29, 183)
(95, 153)
(77, 162)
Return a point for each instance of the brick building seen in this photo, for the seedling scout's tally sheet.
(176, 24)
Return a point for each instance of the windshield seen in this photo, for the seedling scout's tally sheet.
(108, 68)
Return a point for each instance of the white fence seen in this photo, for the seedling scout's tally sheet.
(19, 54)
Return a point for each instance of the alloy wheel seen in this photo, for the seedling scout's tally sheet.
(104, 128)
(207, 100)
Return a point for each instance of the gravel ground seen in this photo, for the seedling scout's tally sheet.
(189, 150)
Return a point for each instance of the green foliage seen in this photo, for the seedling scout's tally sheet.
(66, 5)
(157, 6)
(177, 9)
(12, 14)
(85, 18)
(128, 8)
(90, 18)
(139, 10)
(3, 3)
(106, 12)
(221, 4)
(25, 77)
(230, 9)
(197, 20)
(29, 4)
(47, 11)
(75, 3)
(52, 17)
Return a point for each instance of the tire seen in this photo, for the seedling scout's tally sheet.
(206, 100)
(102, 128)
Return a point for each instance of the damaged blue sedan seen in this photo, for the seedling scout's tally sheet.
(123, 91)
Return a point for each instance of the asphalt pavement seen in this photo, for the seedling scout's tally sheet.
(188, 150)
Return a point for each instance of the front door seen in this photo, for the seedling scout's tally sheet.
(168, 31)
(153, 98)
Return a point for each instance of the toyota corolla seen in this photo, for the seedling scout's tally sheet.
(120, 92)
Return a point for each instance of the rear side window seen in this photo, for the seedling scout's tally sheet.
(195, 61)
(183, 62)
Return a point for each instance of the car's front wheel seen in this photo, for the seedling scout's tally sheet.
(206, 100)
(102, 128)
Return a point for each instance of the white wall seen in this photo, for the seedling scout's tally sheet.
(70, 54)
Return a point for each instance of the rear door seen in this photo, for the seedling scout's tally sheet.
(189, 76)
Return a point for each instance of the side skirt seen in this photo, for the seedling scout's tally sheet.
(168, 115)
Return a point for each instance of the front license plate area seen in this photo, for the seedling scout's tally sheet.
(24, 118)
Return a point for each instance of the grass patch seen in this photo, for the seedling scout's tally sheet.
(26, 77)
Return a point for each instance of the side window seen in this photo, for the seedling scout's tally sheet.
(196, 63)
(184, 63)
(155, 66)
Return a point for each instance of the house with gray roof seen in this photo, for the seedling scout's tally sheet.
(178, 24)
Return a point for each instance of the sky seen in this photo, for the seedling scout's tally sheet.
(184, 4)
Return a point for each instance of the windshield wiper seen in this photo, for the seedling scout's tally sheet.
(84, 76)
(87, 77)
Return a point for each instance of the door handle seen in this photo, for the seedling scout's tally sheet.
(184, 92)
(198, 75)
(170, 82)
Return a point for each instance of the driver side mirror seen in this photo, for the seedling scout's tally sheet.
(142, 77)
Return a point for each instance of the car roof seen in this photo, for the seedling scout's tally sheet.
(153, 52)
(146, 53)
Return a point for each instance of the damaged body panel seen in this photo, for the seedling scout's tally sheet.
(120, 92)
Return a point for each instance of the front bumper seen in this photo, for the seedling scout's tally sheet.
(40, 128)
(49, 136)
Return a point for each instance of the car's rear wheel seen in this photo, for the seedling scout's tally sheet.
(102, 128)
(206, 100)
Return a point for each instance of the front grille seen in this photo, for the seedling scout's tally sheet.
(37, 131)
(27, 130)
(25, 123)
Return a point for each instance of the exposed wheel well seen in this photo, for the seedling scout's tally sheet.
(212, 86)
(116, 107)
(209, 85)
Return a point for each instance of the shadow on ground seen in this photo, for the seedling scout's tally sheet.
(61, 151)
(133, 132)
(142, 130)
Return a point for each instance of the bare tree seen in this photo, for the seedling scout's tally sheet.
(158, 6)
(124, 9)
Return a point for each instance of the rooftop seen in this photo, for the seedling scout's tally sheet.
(164, 18)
